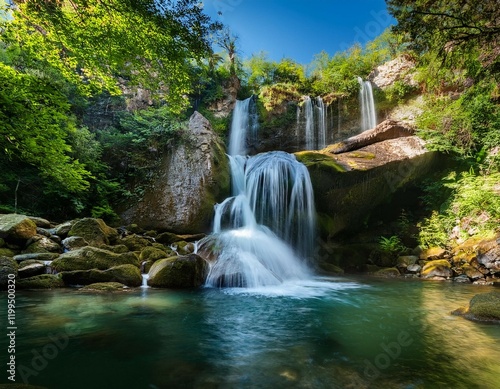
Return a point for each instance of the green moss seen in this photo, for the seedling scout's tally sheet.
(105, 287)
(322, 161)
(485, 307)
(152, 254)
(43, 281)
(5, 252)
(178, 272)
(88, 258)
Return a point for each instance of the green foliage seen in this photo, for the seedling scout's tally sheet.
(399, 91)
(274, 95)
(391, 245)
(147, 42)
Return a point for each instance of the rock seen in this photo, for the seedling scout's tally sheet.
(15, 226)
(432, 253)
(489, 255)
(36, 256)
(43, 281)
(89, 257)
(388, 129)
(401, 68)
(472, 272)
(153, 254)
(117, 249)
(73, 243)
(413, 268)
(348, 186)
(462, 279)
(8, 266)
(178, 272)
(406, 260)
(94, 231)
(193, 177)
(63, 229)
(483, 307)
(183, 248)
(31, 268)
(41, 244)
(167, 238)
(40, 222)
(6, 252)
(437, 268)
(389, 272)
(135, 242)
(125, 274)
(105, 287)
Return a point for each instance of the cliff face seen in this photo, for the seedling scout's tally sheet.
(350, 181)
(192, 178)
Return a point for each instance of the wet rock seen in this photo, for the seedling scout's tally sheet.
(178, 272)
(63, 229)
(15, 227)
(94, 231)
(482, 307)
(89, 257)
(31, 268)
(43, 281)
(7, 266)
(125, 274)
(73, 243)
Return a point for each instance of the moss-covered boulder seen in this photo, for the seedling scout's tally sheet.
(89, 257)
(13, 226)
(135, 242)
(432, 254)
(63, 229)
(8, 266)
(74, 242)
(6, 252)
(43, 281)
(94, 231)
(41, 244)
(105, 287)
(437, 268)
(167, 238)
(187, 271)
(153, 254)
(482, 307)
(125, 274)
(389, 272)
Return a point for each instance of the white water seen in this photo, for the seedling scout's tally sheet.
(312, 118)
(367, 105)
(244, 123)
(270, 211)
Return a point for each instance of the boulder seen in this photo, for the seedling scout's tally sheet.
(489, 255)
(6, 252)
(135, 242)
(94, 231)
(31, 268)
(406, 260)
(482, 307)
(8, 266)
(437, 268)
(432, 253)
(413, 269)
(73, 243)
(63, 229)
(389, 272)
(348, 186)
(192, 178)
(36, 256)
(125, 274)
(41, 244)
(40, 222)
(16, 227)
(153, 254)
(178, 272)
(89, 257)
(43, 281)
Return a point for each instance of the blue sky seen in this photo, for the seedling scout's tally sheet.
(299, 29)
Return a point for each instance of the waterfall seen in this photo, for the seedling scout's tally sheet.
(312, 118)
(244, 124)
(265, 230)
(367, 105)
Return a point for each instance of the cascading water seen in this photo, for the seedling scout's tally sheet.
(367, 105)
(245, 123)
(312, 118)
(271, 210)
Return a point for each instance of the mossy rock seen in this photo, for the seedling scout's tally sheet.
(89, 257)
(432, 253)
(43, 281)
(167, 238)
(94, 231)
(117, 249)
(153, 254)
(105, 287)
(125, 274)
(13, 226)
(437, 268)
(389, 272)
(31, 268)
(184, 247)
(42, 244)
(319, 161)
(7, 266)
(36, 256)
(6, 252)
(187, 271)
(135, 242)
(74, 242)
(482, 307)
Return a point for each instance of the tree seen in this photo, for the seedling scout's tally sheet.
(446, 25)
(91, 42)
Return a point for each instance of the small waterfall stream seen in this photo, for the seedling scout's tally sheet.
(312, 119)
(265, 230)
(367, 105)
